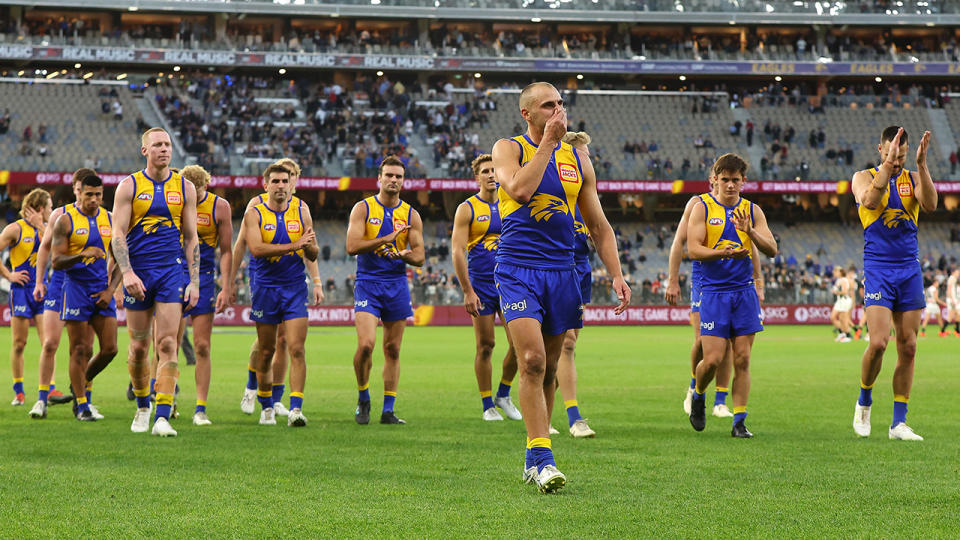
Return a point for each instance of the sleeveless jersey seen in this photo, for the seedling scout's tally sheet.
(382, 221)
(207, 232)
(56, 276)
(581, 240)
(23, 254)
(890, 231)
(539, 234)
(155, 220)
(86, 231)
(484, 237)
(262, 199)
(696, 267)
(726, 274)
(282, 227)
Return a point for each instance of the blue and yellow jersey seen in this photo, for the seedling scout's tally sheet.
(539, 234)
(726, 274)
(295, 202)
(87, 231)
(484, 237)
(154, 235)
(382, 221)
(696, 267)
(581, 240)
(282, 227)
(890, 231)
(207, 232)
(23, 254)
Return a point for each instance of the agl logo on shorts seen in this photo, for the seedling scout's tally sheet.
(872, 296)
(515, 306)
(707, 326)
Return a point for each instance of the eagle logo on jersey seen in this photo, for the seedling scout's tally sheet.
(723, 243)
(32, 259)
(384, 249)
(580, 228)
(151, 224)
(893, 217)
(543, 206)
(491, 244)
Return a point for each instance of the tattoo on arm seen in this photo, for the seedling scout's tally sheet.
(195, 266)
(121, 253)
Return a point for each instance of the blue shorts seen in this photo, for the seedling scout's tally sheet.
(898, 288)
(388, 300)
(78, 305)
(549, 296)
(486, 290)
(695, 296)
(54, 297)
(207, 300)
(162, 285)
(22, 303)
(585, 277)
(729, 314)
(277, 303)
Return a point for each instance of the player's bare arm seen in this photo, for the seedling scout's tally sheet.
(62, 261)
(7, 238)
(259, 248)
(868, 189)
(310, 250)
(757, 229)
(458, 248)
(925, 190)
(757, 272)
(697, 235)
(43, 256)
(414, 255)
(602, 234)
(122, 208)
(191, 243)
(355, 241)
(672, 294)
(224, 240)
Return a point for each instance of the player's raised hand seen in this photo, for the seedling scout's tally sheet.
(34, 218)
(672, 294)
(397, 231)
(20, 277)
(893, 150)
(741, 220)
(39, 290)
(556, 126)
(133, 285)
(623, 294)
(472, 303)
(922, 150)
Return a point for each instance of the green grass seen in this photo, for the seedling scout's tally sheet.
(448, 474)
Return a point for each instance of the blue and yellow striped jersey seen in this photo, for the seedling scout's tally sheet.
(155, 221)
(581, 240)
(295, 202)
(86, 231)
(282, 227)
(23, 254)
(539, 233)
(890, 231)
(726, 274)
(484, 237)
(207, 232)
(382, 221)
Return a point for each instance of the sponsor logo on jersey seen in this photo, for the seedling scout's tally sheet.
(293, 226)
(174, 197)
(905, 189)
(105, 231)
(568, 173)
(715, 221)
(269, 227)
(27, 240)
(483, 218)
(204, 219)
(145, 196)
(374, 221)
(399, 224)
(81, 232)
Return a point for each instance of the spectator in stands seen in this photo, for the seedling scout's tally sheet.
(27, 135)
(105, 107)
(953, 162)
(117, 108)
(5, 122)
(749, 132)
(42, 133)
(42, 150)
(325, 252)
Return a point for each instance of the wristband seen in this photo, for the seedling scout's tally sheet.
(317, 281)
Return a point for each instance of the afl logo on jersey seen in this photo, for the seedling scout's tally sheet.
(568, 173)
(483, 218)
(374, 221)
(293, 226)
(174, 197)
(399, 224)
(105, 231)
(145, 196)
(269, 227)
(905, 189)
(81, 232)
(204, 219)
(715, 221)
(28, 240)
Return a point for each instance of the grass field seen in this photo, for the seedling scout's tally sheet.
(448, 474)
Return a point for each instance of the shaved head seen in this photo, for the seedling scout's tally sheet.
(528, 96)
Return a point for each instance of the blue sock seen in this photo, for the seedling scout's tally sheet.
(251, 379)
(542, 457)
(44, 392)
(866, 396)
(739, 417)
(693, 383)
(18, 386)
(53, 387)
(486, 399)
(201, 407)
(364, 393)
(163, 411)
(698, 395)
(143, 402)
(899, 410)
(278, 393)
(389, 398)
(504, 389)
(573, 411)
(720, 398)
(296, 400)
(89, 392)
(528, 460)
(265, 398)
(82, 405)
(152, 382)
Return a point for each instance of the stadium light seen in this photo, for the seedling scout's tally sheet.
(579, 76)
(778, 78)
(379, 74)
(54, 74)
(477, 75)
(878, 79)
(132, 8)
(535, 19)
(683, 77)
(76, 66)
(121, 76)
(282, 71)
(86, 75)
(20, 73)
(375, 2)
(176, 68)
